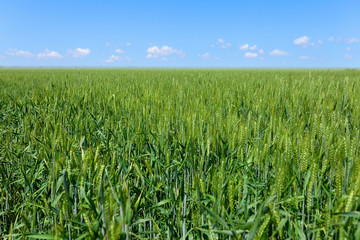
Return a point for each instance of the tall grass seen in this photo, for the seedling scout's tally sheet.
(170, 154)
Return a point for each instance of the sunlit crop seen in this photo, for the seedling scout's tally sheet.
(179, 154)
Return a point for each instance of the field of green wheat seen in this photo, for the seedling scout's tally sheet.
(179, 154)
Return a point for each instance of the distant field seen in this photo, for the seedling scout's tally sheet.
(170, 154)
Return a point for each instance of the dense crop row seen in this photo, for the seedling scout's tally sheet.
(195, 154)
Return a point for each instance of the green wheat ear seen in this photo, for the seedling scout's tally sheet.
(179, 154)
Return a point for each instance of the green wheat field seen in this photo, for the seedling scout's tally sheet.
(179, 154)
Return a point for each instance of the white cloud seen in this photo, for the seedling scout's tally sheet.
(19, 53)
(253, 47)
(352, 40)
(305, 58)
(120, 51)
(338, 39)
(208, 56)
(348, 49)
(277, 52)
(205, 56)
(222, 43)
(244, 47)
(127, 44)
(155, 52)
(319, 42)
(261, 51)
(247, 46)
(250, 55)
(347, 56)
(79, 52)
(49, 54)
(114, 58)
(303, 41)
(316, 45)
(226, 45)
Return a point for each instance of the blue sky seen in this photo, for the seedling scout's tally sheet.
(180, 33)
